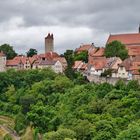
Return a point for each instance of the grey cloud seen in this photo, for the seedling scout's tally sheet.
(99, 16)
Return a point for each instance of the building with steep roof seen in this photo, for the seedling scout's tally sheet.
(84, 47)
(131, 42)
(56, 66)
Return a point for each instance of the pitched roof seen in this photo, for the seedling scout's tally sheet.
(49, 55)
(24, 59)
(113, 62)
(13, 62)
(61, 59)
(77, 64)
(131, 64)
(127, 39)
(47, 62)
(84, 47)
(97, 52)
(133, 50)
(98, 63)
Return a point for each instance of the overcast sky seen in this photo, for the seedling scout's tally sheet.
(25, 23)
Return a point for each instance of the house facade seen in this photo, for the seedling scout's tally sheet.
(2, 62)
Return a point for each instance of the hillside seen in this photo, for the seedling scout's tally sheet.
(57, 108)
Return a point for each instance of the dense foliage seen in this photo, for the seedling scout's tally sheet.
(59, 108)
(31, 52)
(117, 49)
(8, 51)
(83, 56)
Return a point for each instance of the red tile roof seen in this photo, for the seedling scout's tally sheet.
(84, 47)
(77, 64)
(127, 39)
(24, 59)
(133, 50)
(132, 64)
(12, 62)
(98, 52)
(47, 62)
(99, 63)
(50, 55)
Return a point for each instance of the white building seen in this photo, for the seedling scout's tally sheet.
(2, 62)
(56, 66)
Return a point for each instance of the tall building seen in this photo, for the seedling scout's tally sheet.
(130, 40)
(49, 43)
(2, 61)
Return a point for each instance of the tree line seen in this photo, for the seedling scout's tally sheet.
(62, 109)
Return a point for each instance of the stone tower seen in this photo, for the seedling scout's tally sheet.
(49, 43)
(2, 61)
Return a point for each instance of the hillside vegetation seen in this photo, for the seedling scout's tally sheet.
(52, 107)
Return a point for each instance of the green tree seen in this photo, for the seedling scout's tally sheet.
(83, 56)
(132, 133)
(31, 52)
(69, 56)
(8, 51)
(60, 134)
(117, 49)
(20, 123)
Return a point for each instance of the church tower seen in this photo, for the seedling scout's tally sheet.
(49, 43)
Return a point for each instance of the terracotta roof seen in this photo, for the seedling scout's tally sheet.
(24, 59)
(113, 62)
(2, 54)
(131, 64)
(84, 66)
(84, 47)
(12, 62)
(61, 59)
(99, 52)
(77, 64)
(99, 63)
(127, 63)
(133, 50)
(50, 55)
(47, 62)
(127, 39)
(91, 59)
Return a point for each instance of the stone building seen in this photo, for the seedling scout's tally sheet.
(2, 62)
(49, 43)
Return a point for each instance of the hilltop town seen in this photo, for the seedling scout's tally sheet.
(97, 68)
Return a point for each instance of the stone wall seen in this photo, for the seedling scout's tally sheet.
(110, 80)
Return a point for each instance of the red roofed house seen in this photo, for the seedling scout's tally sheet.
(84, 47)
(54, 65)
(129, 68)
(131, 41)
(25, 61)
(15, 64)
(113, 64)
(79, 66)
(2, 61)
(62, 60)
(95, 53)
(97, 66)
